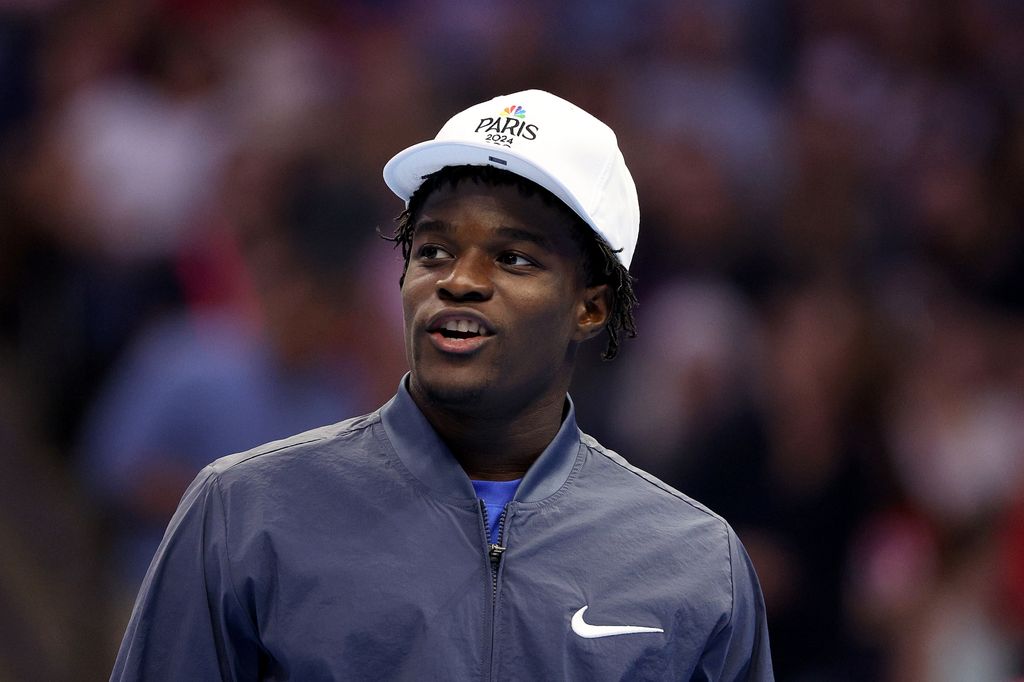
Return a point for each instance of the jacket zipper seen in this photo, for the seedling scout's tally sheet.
(494, 554)
(494, 551)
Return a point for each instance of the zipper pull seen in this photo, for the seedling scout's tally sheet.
(495, 553)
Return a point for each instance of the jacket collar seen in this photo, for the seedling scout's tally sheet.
(426, 456)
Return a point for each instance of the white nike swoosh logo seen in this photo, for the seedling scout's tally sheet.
(585, 629)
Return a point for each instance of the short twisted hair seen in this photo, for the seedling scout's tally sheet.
(599, 262)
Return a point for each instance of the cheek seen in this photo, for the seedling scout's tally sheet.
(412, 293)
(551, 321)
(411, 300)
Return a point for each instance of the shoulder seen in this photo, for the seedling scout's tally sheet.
(696, 536)
(334, 446)
(643, 486)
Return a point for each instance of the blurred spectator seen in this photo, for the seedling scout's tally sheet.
(816, 479)
(686, 387)
(957, 421)
(957, 433)
(203, 384)
(100, 190)
(142, 148)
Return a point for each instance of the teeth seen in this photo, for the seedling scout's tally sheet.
(464, 326)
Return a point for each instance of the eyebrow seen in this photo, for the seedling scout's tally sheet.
(513, 233)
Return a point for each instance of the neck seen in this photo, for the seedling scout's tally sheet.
(496, 447)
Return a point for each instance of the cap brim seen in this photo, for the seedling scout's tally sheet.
(405, 172)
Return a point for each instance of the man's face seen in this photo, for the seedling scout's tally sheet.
(494, 300)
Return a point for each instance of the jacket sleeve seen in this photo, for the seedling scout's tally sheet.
(740, 650)
(188, 623)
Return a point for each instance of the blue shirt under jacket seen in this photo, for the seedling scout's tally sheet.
(495, 495)
(358, 551)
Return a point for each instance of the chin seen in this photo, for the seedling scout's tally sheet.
(445, 388)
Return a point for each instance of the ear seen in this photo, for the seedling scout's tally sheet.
(595, 307)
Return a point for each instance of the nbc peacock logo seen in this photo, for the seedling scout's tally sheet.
(514, 110)
(507, 126)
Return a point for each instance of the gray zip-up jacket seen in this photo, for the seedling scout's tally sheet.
(359, 552)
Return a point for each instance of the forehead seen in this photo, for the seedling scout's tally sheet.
(505, 208)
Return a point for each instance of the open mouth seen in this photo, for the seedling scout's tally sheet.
(459, 335)
(462, 329)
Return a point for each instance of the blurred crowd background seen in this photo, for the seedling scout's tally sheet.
(830, 270)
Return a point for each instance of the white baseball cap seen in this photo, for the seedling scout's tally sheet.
(545, 139)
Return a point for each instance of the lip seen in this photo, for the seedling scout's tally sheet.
(458, 346)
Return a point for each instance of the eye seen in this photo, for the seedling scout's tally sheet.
(516, 259)
(432, 252)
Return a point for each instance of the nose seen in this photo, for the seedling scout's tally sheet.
(468, 278)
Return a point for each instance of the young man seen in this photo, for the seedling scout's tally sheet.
(467, 529)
